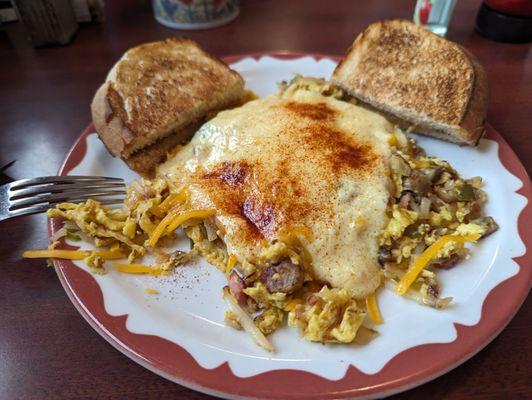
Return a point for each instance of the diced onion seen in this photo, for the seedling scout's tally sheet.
(70, 225)
(58, 234)
(419, 297)
(446, 196)
(424, 208)
(364, 335)
(402, 141)
(245, 321)
(397, 163)
(211, 232)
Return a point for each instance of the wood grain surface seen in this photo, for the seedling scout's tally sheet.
(47, 350)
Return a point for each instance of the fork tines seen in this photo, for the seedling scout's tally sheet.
(30, 196)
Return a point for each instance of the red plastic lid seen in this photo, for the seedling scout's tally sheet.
(512, 7)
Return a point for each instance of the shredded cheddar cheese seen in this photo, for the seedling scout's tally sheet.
(151, 291)
(73, 254)
(423, 260)
(140, 269)
(160, 229)
(179, 219)
(230, 264)
(171, 201)
(373, 309)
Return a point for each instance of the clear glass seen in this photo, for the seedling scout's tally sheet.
(434, 14)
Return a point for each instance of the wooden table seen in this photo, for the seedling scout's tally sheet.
(47, 350)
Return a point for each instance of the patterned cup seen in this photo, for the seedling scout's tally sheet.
(194, 14)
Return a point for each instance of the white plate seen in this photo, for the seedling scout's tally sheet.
(189, 312)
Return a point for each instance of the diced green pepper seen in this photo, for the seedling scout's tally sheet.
(465, 192)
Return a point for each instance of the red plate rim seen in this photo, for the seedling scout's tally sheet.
(406, 370)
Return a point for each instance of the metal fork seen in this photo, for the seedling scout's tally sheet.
(32, 196)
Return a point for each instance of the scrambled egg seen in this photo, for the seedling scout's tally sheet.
(332, 316)
(327, 316)
(213, 253)
(269, 320)
(471, 228)
(262, 296)
(95, 262)
(104, 225)
(401, 219)
(231, 320)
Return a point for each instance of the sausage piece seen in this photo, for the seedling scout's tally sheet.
(405, 199)
(385, 255)
(448, 262)
(418, 183)
(285, 277)
(237, 286)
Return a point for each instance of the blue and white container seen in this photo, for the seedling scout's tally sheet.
(195, 14)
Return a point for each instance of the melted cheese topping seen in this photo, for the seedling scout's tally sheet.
(294, 160)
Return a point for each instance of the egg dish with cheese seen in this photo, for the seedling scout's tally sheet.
(308, 203)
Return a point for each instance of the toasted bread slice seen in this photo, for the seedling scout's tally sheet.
(426, 82)
(158, 90)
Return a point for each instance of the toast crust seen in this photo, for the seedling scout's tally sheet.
(422, 79)
(109, 127)
(473, 122)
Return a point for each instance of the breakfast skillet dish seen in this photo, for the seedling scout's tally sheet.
(309, 233)
(308, 201)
